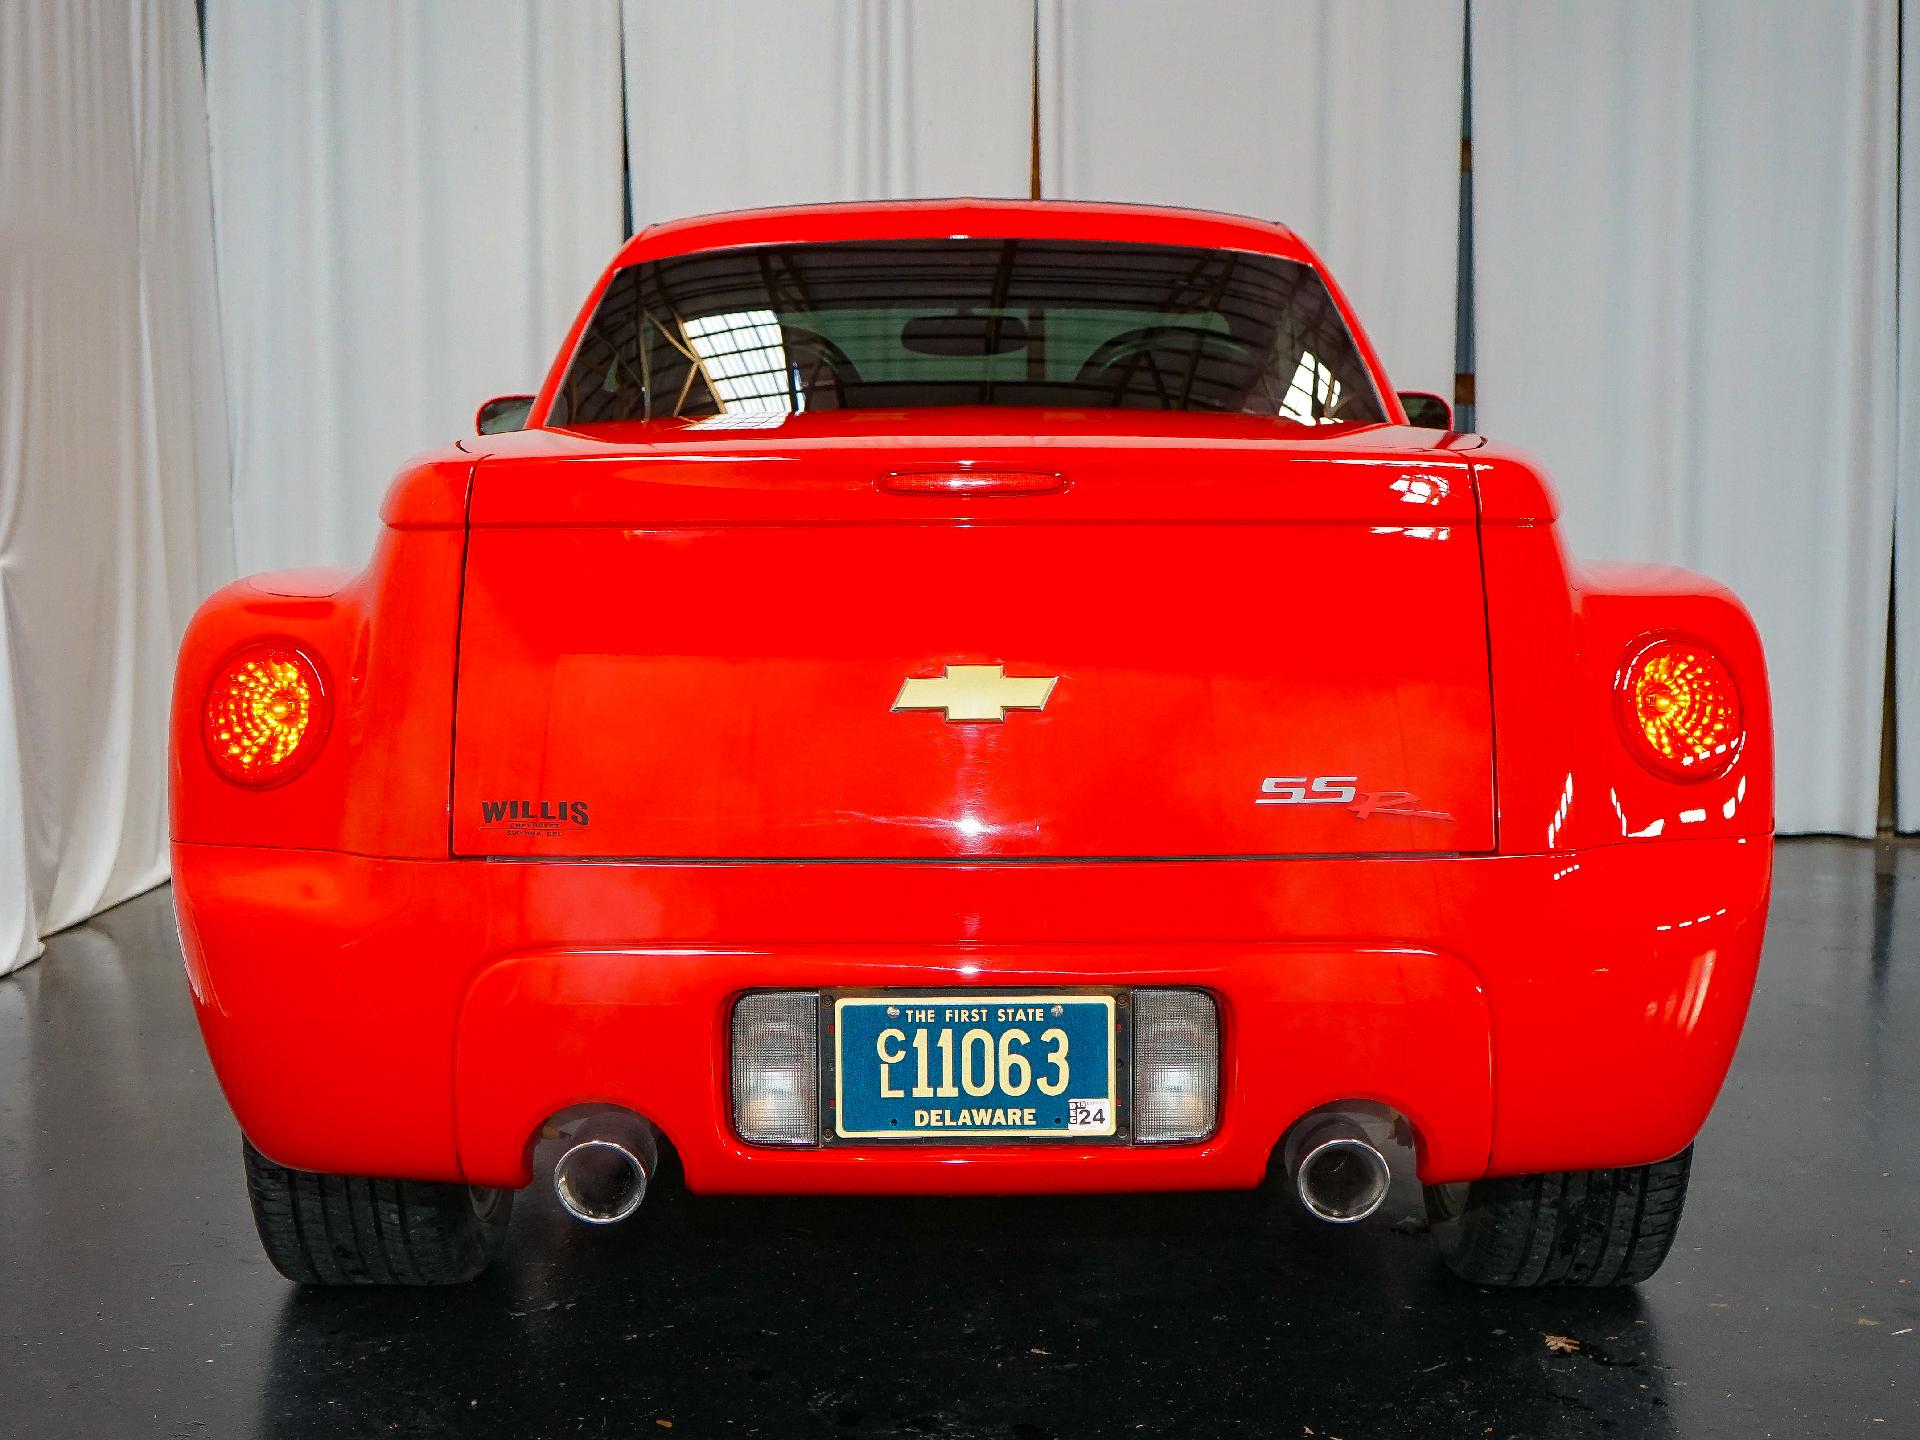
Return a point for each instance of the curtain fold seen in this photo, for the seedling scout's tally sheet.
(1684, 286)
(733, 103)
(410, 203)
(1341, 121)
(1906, 583)
(113, 458)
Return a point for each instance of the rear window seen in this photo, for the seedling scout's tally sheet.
(890, 325)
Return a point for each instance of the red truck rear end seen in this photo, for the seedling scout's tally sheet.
(862, 793)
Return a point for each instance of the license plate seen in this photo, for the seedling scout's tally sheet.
(929, 1067)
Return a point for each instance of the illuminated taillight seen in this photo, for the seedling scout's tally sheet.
(1679, 709)
(265, 716)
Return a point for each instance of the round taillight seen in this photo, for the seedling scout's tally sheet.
(265, 716)
(1679, 709)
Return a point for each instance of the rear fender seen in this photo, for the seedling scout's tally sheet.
(384, 642)
(1559, 635)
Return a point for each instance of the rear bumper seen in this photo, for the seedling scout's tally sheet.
(421, 1018)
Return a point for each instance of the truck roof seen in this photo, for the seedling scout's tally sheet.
(943, 219)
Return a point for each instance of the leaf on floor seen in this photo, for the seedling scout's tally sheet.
(1562, 1344)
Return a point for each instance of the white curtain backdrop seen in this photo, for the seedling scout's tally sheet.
(113, 458)
(1684, 279)
(1906, 585)
(410, 203)
(736, 103)
(1341, 121)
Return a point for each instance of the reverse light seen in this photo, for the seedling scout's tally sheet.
(1176, 1066)
(1679, 709)
(776, 1067)
(265, 715)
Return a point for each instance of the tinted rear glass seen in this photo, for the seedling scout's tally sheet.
(893, 325)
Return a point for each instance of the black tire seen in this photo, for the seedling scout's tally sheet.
(1578, 1227)
(351, 1230)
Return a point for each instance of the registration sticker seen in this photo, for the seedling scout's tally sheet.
(1090, 1117)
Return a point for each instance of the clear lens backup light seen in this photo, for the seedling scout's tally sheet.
(1680, 710)
(1176, 1066)
(265, 715)
(776, 1067)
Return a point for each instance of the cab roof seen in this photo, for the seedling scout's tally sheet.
(966, 218)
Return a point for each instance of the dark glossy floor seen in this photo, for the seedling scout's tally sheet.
(133, 1300)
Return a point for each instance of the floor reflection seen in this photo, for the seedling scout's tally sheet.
(1184, 1315)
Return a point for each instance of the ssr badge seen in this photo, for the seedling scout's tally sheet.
(1343, 790)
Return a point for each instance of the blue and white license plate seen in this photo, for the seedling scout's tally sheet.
(923, 1067)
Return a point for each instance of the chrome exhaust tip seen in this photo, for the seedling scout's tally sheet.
(1337, 1171)
(602, 1175)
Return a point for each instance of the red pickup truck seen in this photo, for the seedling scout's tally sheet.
(971, 697)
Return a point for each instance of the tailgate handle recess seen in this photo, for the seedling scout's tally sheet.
(973, 482)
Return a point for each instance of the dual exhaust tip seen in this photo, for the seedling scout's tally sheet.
(1332, 1164)
(603, 1174)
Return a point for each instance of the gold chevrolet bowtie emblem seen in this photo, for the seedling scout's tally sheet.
(977, 692)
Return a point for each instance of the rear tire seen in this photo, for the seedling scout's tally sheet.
(1575, 1227)
(353, 1230)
